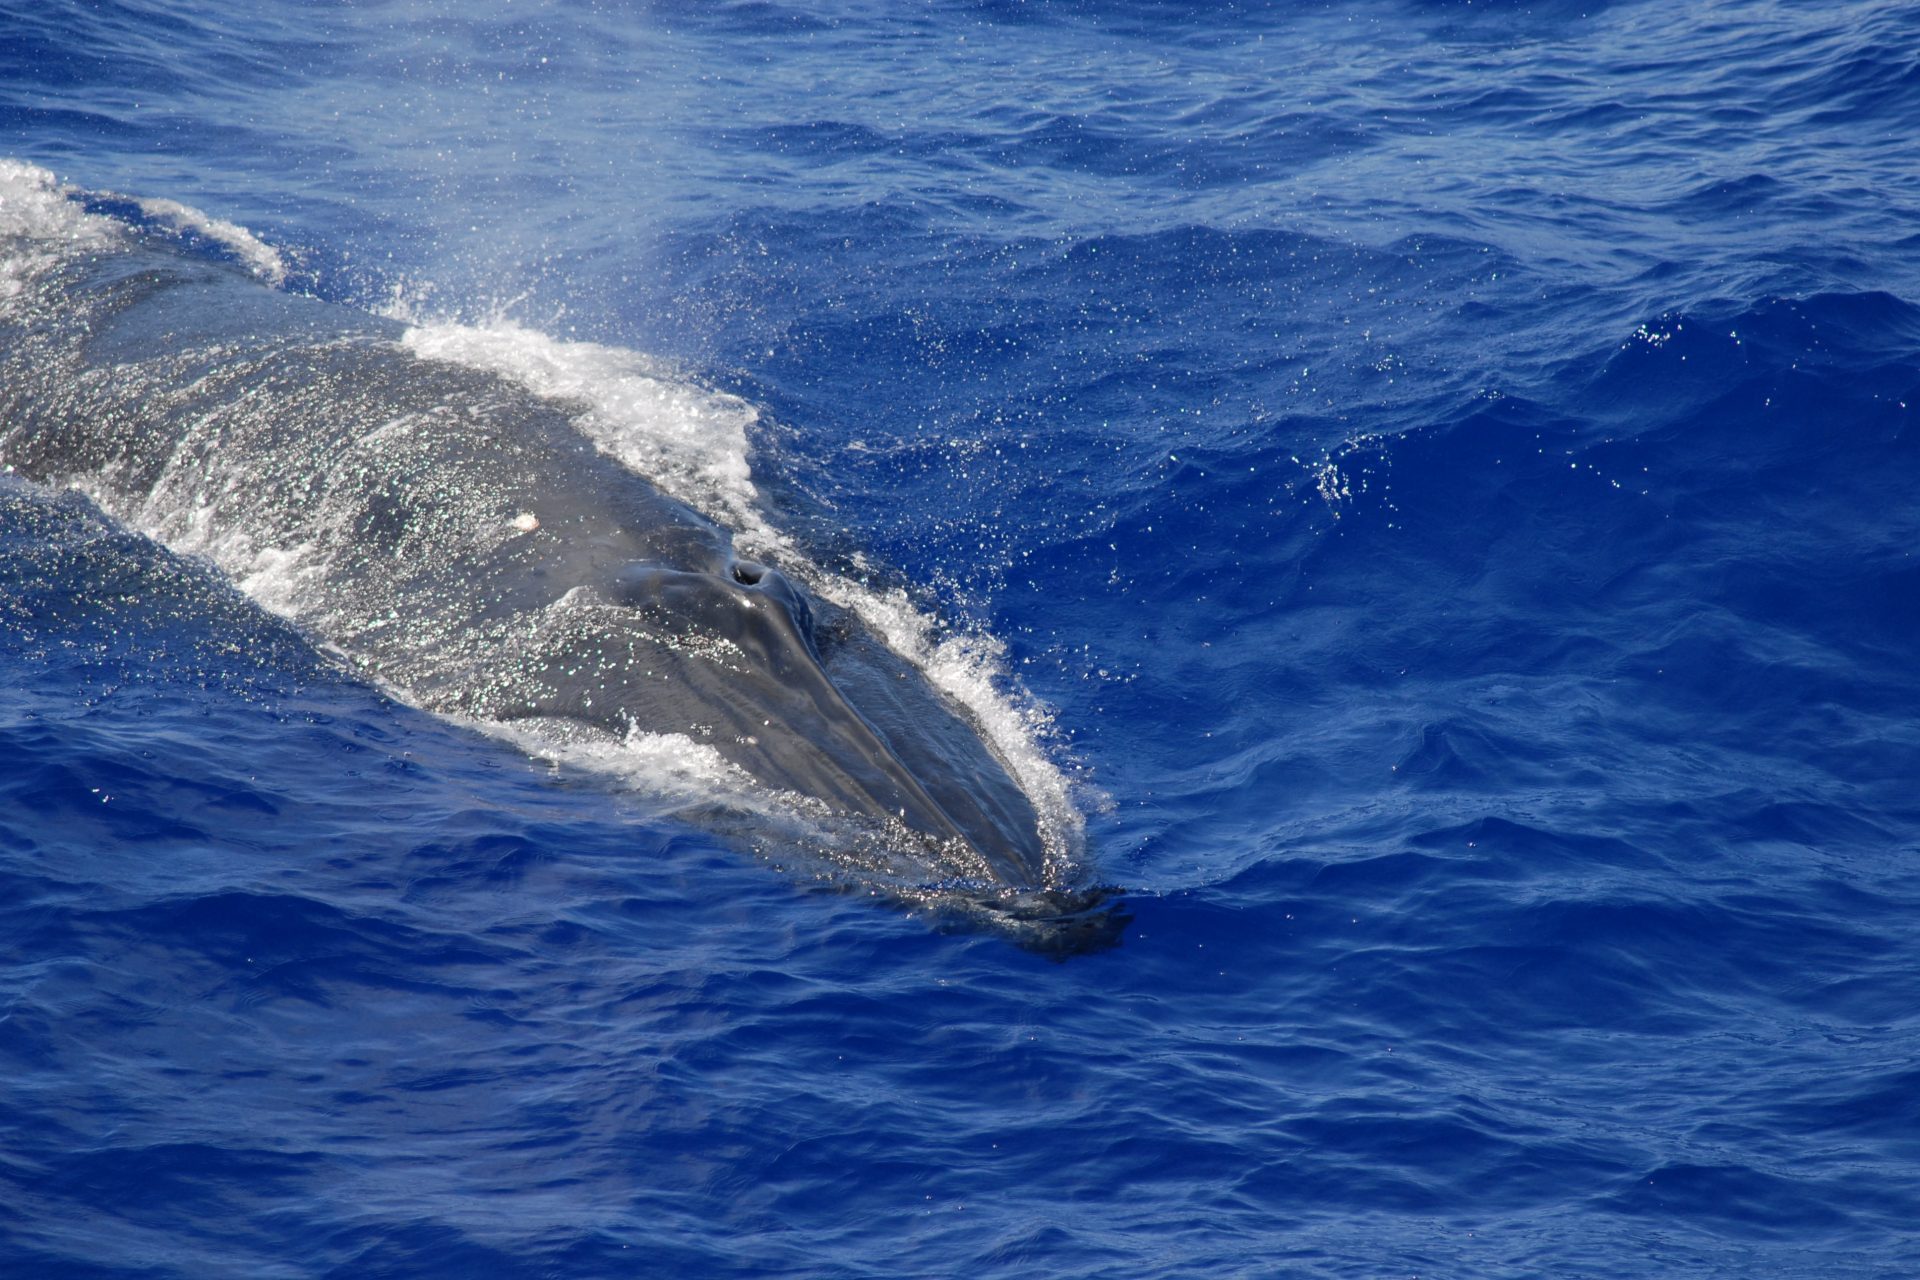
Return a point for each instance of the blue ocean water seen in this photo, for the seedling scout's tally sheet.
(1446, 469)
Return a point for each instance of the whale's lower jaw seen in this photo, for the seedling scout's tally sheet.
(1060, 922)
(1056, 923)
(460, 541)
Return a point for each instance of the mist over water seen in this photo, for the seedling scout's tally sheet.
(1422, 493)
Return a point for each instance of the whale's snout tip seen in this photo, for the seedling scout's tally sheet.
(1059, 923)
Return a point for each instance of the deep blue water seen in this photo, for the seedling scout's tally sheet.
(1448, 469)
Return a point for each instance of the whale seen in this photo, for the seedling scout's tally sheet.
(458, 538)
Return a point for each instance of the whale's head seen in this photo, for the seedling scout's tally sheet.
(804, 698)
(796, 692)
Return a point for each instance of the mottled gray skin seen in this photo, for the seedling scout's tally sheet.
(168, 386)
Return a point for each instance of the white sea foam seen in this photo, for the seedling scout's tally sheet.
(42, 225)
(260, 257)
(45, 216)
(670, 767)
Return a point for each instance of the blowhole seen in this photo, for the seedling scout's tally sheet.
(747, 573)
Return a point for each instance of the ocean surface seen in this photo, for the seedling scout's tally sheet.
(1427, 492)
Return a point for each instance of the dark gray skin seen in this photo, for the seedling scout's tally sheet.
(164, 383)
